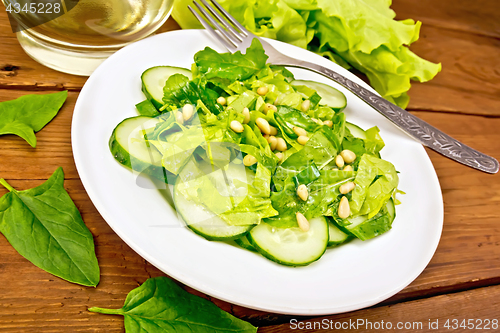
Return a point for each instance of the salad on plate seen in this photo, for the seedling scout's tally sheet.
(258, 158)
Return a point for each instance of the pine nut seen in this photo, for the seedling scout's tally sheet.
(344, 208)
(237, 126)
(302, 140)
(272, 142)
(249, 160)
(179, 117)
(262, 90)
(299, 131)
(302, 222)
(305, 105)
(269, 106)
(281, 144)
(246, 113)
(302, 192)
(263, 125)
(187, 112)
(339, 161)
(347, 187)
(348, 168)
(221, 100)
(348, 156)
(274, 130)
(279, 156)
(328, 123)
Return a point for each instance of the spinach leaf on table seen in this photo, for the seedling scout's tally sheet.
(44, 226)
(30, 113)
(160, 305)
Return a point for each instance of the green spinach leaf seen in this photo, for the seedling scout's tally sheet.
(30, 113)
(376, 180)
(160, 305)
(179, 91)
(44, 226)
(232, 66)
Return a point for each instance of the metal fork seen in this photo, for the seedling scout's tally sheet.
(235, 37)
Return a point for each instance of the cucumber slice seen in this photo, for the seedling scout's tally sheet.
(204, 222)
(153, 81)
(330, 96)
(291, 246)
(356, 131)
(199, 218)
(391, 209)
(335, 235)
(364, 228)
(128, 146)
(244, 243)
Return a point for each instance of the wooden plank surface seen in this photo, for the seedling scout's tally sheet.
(463, 36)
(468, 254)
(426, 315)
(462, 280)
(19, 71)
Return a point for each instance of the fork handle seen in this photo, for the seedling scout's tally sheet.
(418, 129)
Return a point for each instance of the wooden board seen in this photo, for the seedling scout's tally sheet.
(426, 315)
(468, 255)
(462, 280)
(19, 71)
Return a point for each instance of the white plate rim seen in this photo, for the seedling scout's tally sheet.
(78, 144)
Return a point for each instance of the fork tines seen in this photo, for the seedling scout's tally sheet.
(222, 27)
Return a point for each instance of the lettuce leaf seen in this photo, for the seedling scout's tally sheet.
(232, 66)
(242, 200)
(257, 204)
(354, 33)
(376, 180)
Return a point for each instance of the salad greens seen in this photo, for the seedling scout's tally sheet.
(354, 33)
(29, 114)
(44, 226)
(160, 305)
(240, 138)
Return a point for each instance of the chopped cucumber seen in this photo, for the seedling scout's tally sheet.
(336, 236)
(391, 209)
(356, 131)
(129, 147)
(330, 96)
(245, 243)
(291, 246)
(204, 222)
(199, 218)
(146, 108)
(153, 81)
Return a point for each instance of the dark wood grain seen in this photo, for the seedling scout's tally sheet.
(475, 17)
(464, 37)
(418, 316)
(463, 278)
(470, 79)
(468, 254)
(19, 71)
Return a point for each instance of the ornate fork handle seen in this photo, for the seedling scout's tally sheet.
(423, 132)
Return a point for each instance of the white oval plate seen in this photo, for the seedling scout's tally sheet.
(351, 277)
